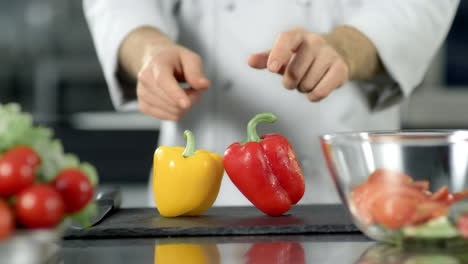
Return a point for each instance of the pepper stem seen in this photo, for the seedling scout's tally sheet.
(190, 146)
(252, 125)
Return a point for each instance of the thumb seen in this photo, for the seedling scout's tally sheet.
(259, 60)
(193, 70)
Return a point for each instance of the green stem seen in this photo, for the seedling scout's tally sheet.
(252, 125)
(190, 146)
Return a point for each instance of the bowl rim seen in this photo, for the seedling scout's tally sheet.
(438, 136)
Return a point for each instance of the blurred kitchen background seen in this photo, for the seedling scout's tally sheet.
(48, 65)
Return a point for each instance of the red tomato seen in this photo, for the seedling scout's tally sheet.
(421, 185)
(75, 188)
(411, 193)
(389, 177)
(442, 195)
(462, 225)
(361, 198)
(7, 222)
(368, 198)
(25, 154)
(15, 175)
(428, 210)
(394, 200)
(39, 206)
(455, 197)
(403, 205)
(393, 211)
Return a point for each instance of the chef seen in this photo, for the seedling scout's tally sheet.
(320, 66)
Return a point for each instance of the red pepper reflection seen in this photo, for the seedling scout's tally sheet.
(276, 253)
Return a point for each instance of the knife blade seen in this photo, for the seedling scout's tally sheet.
(106, 201)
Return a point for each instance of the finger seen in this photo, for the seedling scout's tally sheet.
(258, 60)
(157, 112)
(335, 77)
(317, 70)
(193, 70)
(156, 91)
(285, 45)
(157, 77)
(301, 62)
(157, 98)
(194, 95)
(164, 79)
(161, 93)
(174, 113)
(298, 66)
(145, 75)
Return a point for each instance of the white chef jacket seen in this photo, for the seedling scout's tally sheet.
(407, 34)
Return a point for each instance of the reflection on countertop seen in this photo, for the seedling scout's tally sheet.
(296, 249)
(385, 254)
(272, 249)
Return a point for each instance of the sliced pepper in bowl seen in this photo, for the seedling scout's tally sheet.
(393, 201)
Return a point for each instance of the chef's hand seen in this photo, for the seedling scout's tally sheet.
(307, 62)
(159, 68)
(318, 64)
(158, 90)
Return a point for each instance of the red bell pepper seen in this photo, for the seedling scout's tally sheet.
(265, 169)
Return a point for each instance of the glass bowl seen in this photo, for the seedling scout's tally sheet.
(34, 245)
(384, 254)
(403, 186)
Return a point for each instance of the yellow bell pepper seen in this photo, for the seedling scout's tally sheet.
(187, 253)
(185, 181)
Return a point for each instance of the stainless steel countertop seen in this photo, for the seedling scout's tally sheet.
(321, 249)
(272, 249)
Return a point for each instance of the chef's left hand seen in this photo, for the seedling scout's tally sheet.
(307, 62)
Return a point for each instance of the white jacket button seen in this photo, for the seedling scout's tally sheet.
(303, 2)
(230, 7)
(227, 86)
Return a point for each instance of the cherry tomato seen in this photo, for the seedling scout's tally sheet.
(389, 177)
(15, 175)
(39, 206)
(25, 154)
(7, 223)
(75, 188)
(393, 211)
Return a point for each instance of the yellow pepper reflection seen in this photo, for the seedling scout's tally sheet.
(186, 253)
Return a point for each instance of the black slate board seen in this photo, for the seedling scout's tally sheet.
(146, 222)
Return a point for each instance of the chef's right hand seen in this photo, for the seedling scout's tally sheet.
(158, 90)
(158, 64)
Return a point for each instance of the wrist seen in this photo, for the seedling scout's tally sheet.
(335, 39)
(358, 52)
(137, 47)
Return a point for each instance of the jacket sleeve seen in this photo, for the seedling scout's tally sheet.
(407, 35)
(110, 21)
